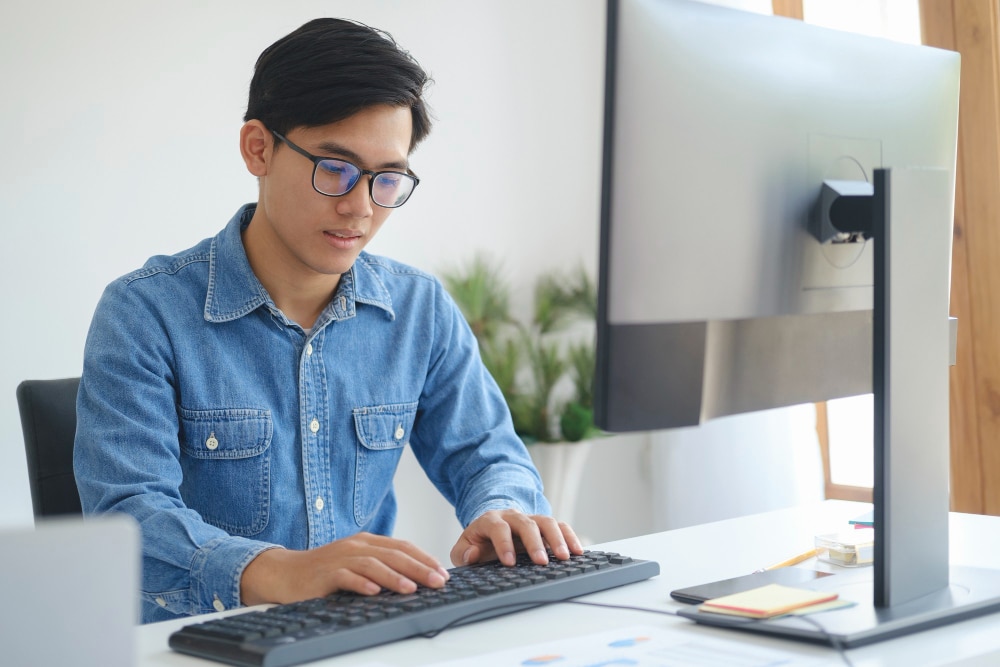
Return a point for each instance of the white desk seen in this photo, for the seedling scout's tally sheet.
(688, 556)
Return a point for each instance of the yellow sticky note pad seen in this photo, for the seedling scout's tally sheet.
(822, 606)
(767, 601)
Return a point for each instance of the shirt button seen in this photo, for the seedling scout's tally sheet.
(161, 602)
(309, 349)
(319, 504)
(399, 432)
(314, 426)
(212, 443)
(217, 604)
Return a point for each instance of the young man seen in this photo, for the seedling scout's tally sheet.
(247, 400)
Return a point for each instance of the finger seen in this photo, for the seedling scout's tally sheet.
(432, 576)
(336, 570)
(572, 540)
(407, 560)
(384, 571)
(502, 538)
(485, 538)
(527, 530)
(414, 562)
(465, 552)
(383, 561)
(560, 537)
(345, 580)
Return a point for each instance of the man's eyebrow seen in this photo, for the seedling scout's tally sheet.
(335, 149)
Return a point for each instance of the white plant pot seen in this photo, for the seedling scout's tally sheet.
(560, 465)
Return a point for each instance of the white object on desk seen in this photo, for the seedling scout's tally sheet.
(70, 593)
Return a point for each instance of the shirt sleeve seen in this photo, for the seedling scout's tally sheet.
(464, 436)
(127, 459)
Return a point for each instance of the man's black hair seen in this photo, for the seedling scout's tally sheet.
(328, 70)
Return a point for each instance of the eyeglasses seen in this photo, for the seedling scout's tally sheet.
(333, 177)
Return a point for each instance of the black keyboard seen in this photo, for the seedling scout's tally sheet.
(294, 633)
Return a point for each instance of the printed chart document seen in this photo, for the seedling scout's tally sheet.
(649, 646)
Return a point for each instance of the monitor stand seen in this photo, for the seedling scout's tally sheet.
(971, 592)
(911, 585)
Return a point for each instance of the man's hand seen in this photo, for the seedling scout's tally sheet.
(363, 563)
(497, 534)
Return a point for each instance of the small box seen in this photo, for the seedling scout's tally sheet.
(851, 548)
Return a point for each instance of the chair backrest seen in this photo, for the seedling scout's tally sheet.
(48, 419)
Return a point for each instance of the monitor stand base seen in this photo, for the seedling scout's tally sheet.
(972, 592)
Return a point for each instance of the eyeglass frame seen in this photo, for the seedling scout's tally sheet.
(316, 159)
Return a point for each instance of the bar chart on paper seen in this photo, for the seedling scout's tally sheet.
(643, 646)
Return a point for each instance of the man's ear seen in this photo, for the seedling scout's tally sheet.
(256, 147)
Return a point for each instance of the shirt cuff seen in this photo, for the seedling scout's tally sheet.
(495, 504)
(216, 571)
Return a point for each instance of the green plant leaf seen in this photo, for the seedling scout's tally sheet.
(482, 295)
(559, 298)
(502, 360)
(582, 363)
(528, 360)
(576, 422)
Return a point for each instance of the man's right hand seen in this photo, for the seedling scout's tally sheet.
(363, 563)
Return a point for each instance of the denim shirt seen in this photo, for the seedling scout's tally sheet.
(225, 429)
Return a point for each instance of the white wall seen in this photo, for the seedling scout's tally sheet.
(120, 123)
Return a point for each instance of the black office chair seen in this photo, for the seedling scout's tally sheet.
(48, 419)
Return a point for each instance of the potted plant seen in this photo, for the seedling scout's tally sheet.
(544, 365)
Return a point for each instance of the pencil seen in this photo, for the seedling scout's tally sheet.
(794, 560)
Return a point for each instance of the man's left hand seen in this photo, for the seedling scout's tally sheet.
(499, 534)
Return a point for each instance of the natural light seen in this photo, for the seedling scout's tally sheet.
(850, 420)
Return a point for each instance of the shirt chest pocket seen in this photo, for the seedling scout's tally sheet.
(382, 433)
(225, 460)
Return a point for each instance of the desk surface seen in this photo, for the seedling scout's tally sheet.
(687, 556)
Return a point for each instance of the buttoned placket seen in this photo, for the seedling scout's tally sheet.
(314, 417)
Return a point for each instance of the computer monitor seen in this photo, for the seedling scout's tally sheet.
(721, 125)
(723, 290)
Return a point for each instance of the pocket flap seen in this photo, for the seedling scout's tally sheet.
(385, 426)
(225, 434)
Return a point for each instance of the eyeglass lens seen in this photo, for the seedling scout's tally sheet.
(335, 177)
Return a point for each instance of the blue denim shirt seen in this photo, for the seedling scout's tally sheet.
(225, 429)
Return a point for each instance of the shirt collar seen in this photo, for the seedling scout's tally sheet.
(234, 291)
